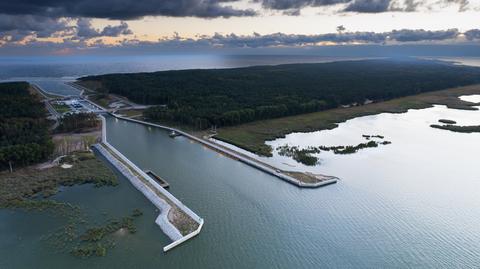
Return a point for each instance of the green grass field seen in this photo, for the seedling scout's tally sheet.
(61, 108)
(101, 101)
(252, 136)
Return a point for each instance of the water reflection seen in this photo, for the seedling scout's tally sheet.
(471, 98)
(412, 203)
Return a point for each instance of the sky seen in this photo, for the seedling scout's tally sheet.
(76, 27)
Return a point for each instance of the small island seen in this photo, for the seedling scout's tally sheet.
(446, 121)
(305, 156)
(458, 128)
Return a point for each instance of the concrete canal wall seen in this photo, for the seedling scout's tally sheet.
(163, 206)
(132, 172)
(240, 157)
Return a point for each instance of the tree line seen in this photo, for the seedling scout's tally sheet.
(24, 129)
(78, 122)
(223, 97)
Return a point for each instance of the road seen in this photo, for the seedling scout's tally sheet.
(49, 106)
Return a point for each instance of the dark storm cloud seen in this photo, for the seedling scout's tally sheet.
(360, 6)
(133, 9)
(254, 42)
(297, 4)
(280, 39)
(15, 28)
(30, 23)
(294, 40)
(473, 34)
(85, 30)
(462, 4)
(117, 30)
(422, 35)
(369, 6)
(410, 5)
(123, 9)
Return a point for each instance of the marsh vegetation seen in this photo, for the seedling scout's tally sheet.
(458, 128)
(20, 187)
(33, 190)
(446, 121)
(306, 155)
(252, 136)
(96, 241)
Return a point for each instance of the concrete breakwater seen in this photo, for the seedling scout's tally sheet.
(325, 180)
(168, 204)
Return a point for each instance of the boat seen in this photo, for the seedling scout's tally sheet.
(173, 134)
(158, 179)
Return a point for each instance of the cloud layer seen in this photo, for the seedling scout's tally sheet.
(133, 9)
(18, 28)
(369, 6)
(14, 28)
(293, 40)
(123, 9)
(30, 22)
(362, 6)
(83, 31)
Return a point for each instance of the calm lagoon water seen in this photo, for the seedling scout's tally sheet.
(55, 86)
(411, 204)
(471, 61)
(471, 98)
(23, 234)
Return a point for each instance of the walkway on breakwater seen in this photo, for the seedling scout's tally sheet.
(173, 213)
(323, 180)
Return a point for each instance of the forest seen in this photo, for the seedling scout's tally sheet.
(78, 122)
(225, 97)
(24, 129)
